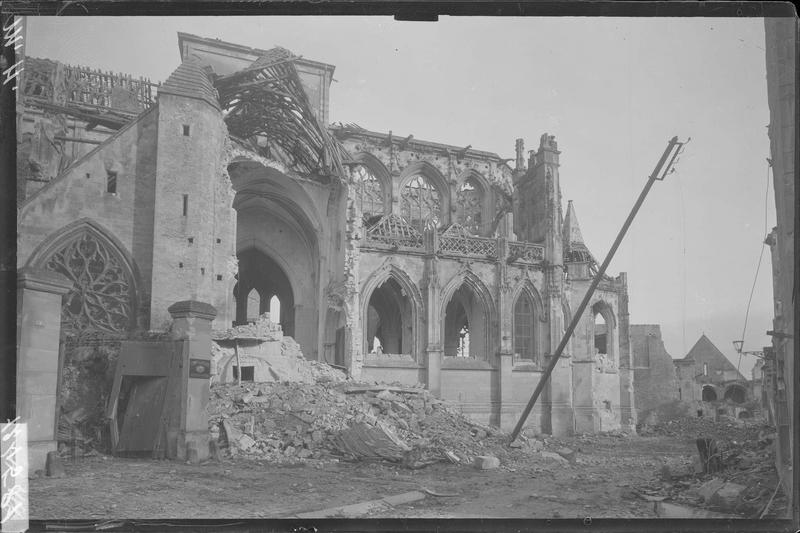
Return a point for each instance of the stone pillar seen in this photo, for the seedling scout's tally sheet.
(626, 375)
(433, 320)
(39, 294)
(586, 418)
(507, 417)
(189, 426)
(557, 406)
(435, 372)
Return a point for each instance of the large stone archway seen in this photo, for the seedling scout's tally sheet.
(278, 247)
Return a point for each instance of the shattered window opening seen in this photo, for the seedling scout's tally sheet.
(469, 201)
(420, 203)
(600, 334)
(253, 305)
(369, 192)
(274, 309)
(389, 321)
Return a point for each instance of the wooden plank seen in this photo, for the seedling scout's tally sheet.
(140, 428)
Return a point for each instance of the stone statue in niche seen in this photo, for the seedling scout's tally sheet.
(603, 363)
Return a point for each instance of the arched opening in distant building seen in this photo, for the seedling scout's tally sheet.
(709, 393)
(735, 394)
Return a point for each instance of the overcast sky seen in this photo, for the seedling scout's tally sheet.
(612, 90)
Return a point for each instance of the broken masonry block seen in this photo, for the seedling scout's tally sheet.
(728, 497)
(551, 455)
(568, 453)
(53, 465)
(486, 462)
(709, 488)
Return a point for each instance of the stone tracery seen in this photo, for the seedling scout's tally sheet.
(103, 295)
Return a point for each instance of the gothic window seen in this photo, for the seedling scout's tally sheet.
(523, 327)
(369, 192)
(389, 320)
(600, 334)
(102, 297)
(253, 305)
(420, 203)
(468, 206)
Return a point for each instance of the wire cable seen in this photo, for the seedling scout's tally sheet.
(758, 267)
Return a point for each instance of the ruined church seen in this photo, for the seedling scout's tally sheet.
(398, 259)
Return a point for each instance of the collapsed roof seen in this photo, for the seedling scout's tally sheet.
(266, 106)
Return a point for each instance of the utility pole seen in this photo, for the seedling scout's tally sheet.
(674, 148)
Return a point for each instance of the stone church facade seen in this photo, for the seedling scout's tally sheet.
(398, 259)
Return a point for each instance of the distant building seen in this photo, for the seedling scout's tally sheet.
(709, 382)
(654, 374)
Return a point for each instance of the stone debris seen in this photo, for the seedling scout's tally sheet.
(728, 497)
(741, 482)
(486, 462)
(319, 414)
(289, 366)
(709, 488)
(262, 329)
(554, 456)
(291, 421)
(53, 465)
(567, 453)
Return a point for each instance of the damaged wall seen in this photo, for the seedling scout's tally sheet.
(654, 372)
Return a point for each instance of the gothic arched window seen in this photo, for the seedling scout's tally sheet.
(103, 294)
(420, 202)
(468, 206)
(369, 191)
(524, 327)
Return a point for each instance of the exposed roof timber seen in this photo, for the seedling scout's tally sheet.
(268, 99)
(96, 116)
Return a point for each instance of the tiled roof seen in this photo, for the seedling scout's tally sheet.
(191, 80)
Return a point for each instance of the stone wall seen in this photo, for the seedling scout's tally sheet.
(655, 380)
(192, 238)
(81, 193)
(781, 35)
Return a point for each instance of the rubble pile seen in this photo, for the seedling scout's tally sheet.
(289, 421)
(724, 429)
(746, 484)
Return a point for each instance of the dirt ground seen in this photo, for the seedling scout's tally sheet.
(600, 484)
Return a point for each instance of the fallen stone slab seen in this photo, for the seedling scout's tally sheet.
(486, 462)
(555, 456)
(709, 488)
(567, 453)
(362, 508)
(728, 497)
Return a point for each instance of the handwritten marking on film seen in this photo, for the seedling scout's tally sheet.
(12, 36)
(13, 477)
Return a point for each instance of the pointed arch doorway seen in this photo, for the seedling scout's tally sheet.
(263, 287)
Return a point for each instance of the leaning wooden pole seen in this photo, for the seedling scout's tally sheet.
(674, 148)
